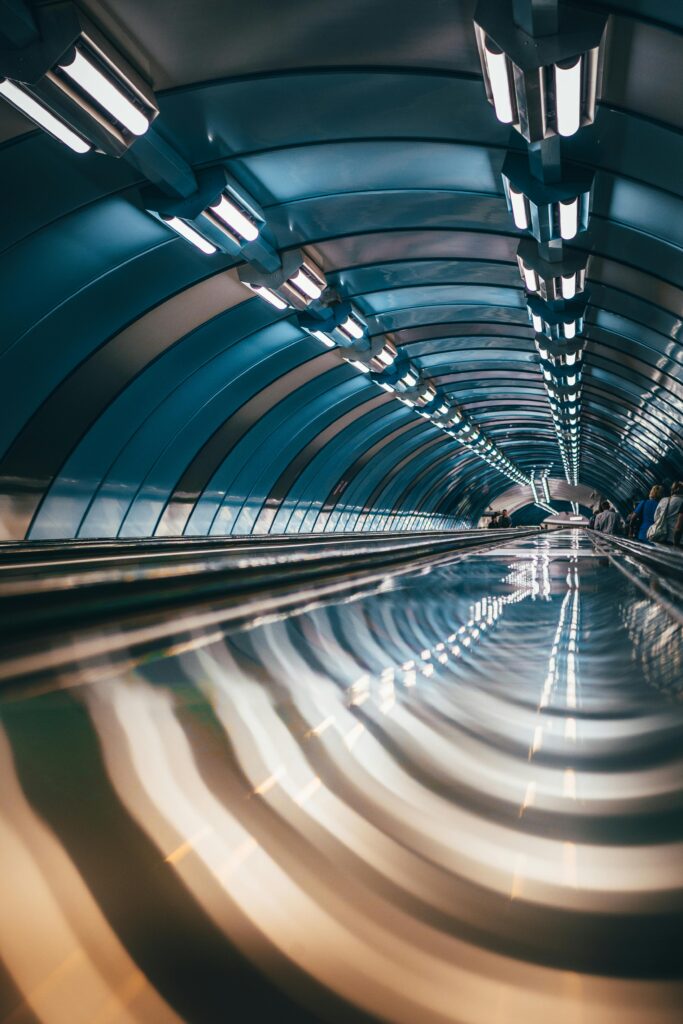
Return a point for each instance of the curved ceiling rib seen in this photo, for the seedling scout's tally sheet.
(146, 391)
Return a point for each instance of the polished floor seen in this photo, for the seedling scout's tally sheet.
(456, 797)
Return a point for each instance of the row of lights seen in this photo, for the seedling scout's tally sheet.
(300, 285)
(545, 502)
(542, 70)
(79, 88)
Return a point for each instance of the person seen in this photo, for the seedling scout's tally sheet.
(504, 520)
(493, 525)
(608, 519)
(632, 521)
(671, 509)
(644, 514)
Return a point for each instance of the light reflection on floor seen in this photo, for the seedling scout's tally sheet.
(455, 800)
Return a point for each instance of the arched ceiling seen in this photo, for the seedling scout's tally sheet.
(146, 391)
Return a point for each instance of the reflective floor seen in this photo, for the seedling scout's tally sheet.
(455, 799)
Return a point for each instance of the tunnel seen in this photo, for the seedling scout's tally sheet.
(341, 501)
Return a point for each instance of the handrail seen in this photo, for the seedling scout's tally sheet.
(47, 593)
(81, 612)
(657, 571)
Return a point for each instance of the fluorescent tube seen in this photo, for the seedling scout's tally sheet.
(568, 98)
(190, 235)
(227, 211)
(24, 102)
(530, 279)
(306, 285)
(323, 337)
(537, 322)
(570, 329)
(386, 357)
(268, 295)
(104, 92)
(499, 78)
(568, 285)
(519, 214)
(569, 218)
(352, 327)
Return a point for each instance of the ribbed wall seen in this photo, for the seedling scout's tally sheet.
(144, 391)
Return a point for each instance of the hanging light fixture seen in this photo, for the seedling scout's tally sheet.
(561, 280)
(542, 85)
(76, 85)
(558, 321)
(550, 211)
(298, 282)
(218, 217)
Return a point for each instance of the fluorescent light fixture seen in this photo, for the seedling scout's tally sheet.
(570, 329)
(353, 327)
(227, 211)
(323, 337)
(568, 285)
(571, 381)
(570, 358)
(499, 78)
(537, 322)
(268, 295)
(359, 366)
(543, 352)
(89, 77)
(387, 387)
(568, 98)
(519, 214)
(530, 278)
(569, 218)
(24, 102)
(410, 379)
(305, 283)
(190, 235)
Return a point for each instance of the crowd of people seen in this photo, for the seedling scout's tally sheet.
(657, 519)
